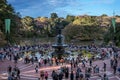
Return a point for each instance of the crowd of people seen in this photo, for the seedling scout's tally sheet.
(80, 69)
(13, 73)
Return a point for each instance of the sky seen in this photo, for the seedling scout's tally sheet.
(43, 8)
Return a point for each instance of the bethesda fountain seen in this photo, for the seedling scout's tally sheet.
(59, 46)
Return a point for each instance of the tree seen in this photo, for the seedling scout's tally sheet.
(113, 37)
(86, 20)
(83, 32)
(7, 12)
(103, 15)
(42, 25)
(54, 22)
(54, 15)
(27, 25)
(70, 18)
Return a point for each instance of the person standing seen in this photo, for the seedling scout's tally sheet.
(115, 63)
(71, 75)
(32, 60)
(104, 66)
(15, 59)
(17, 73)
(9, 69)
(90, 62)
(39, 60)
(77, 75)
(36, 68)
(42, 75)
(45, 62)
(46, 75)
(54, 75)
(10, 56)
(10, 77)
(105, 77)
(66, 72)
(81, 76)
(111, 62)
(119, 70)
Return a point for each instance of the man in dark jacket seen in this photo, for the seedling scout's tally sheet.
(61, 75)
(71, 75)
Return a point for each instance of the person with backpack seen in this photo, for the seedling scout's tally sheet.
(60, 75)
(54, 75)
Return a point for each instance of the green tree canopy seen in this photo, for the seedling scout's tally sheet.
(8, 12)
(83, 32)
(70, 18)
(54, 15)
(110, 36)
(28, 23)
